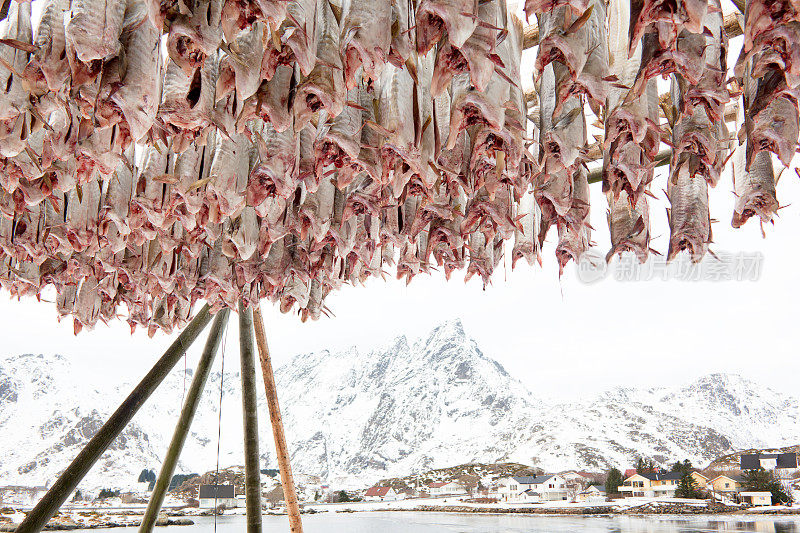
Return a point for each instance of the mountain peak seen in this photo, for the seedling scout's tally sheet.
(451, 327)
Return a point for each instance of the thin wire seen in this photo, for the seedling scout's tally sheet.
(183, 396)
(219, 423)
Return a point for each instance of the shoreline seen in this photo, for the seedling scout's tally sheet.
(589, 511)
(69, 526)
(113, 518)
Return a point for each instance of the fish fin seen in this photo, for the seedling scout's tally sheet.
(356, 106)
(412, 70)
(580, 21)
(19, 45)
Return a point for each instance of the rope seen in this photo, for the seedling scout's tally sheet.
(219, 423)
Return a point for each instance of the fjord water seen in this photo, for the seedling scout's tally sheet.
(416, 522)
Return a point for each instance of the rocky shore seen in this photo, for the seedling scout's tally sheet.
(653, 508)
(95, 520)
(510, 510)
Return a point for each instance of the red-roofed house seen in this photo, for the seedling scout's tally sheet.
(381, 494)
(446, 488)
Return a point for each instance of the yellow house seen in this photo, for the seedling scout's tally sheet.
(726, 484)
(700, 479)
(649, 485)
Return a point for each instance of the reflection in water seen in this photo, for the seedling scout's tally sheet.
(410, 522)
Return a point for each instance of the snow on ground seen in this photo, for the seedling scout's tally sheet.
(456, 502)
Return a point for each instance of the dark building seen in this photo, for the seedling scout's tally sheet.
(768, 461)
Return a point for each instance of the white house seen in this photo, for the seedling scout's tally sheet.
(214, 496)
(544, 488)
(592, 494)
(21, 495)
(381, 494)
(446, 488)
(757, 499)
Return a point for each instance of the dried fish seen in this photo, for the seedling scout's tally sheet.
(324, 86)
(366, 38)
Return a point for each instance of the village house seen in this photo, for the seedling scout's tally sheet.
(700, 479)
(575, 483)
(446, 488)
(532, 489)
(725, 485)
(214, 496)
(20, 495)
(651, 485)
(757, 499)
(784, 465)
(381, 494)
(592, 494)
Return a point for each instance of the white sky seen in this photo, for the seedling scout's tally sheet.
(563, 336)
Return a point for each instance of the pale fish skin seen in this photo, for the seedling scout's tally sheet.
(689, 218)
(574, 231)
(94, 27)
(324, 86)
(399, 144)
(49, 57)
(629, 226)
(754, 188)
(474, 56)
(138, 94)
(14, 97)
(457, 18)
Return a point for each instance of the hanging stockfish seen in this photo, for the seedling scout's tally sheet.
(566, 50)
(770, 63)
(477, 55)
(14, 100)
(753, 173)
(187, 111)
(455, 19)
(699, 141)
(296, 40)
(631, 141)
(195, 35)
(323, 88)
(282, 149)
(366, 38)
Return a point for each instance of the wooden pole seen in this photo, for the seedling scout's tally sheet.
(97, 445)
(252, 473)
(287, 481)
(663, 158)
(184, 422)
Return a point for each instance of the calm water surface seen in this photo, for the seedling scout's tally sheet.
(411, 522)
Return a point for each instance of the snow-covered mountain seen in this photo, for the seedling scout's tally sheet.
(401, 408)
